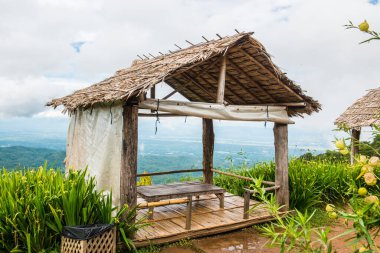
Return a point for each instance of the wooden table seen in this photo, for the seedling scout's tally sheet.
(153, 193)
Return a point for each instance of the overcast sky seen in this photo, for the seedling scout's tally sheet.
(49, 48)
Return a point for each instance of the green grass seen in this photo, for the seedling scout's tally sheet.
(310, 182)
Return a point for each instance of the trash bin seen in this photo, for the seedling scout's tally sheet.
(96, 238)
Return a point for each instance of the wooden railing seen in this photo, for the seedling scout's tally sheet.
(167, 172)
(239, 177)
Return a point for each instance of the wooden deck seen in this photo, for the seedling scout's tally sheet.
(169, 221)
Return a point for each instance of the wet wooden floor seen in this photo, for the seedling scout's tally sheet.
(168, 224)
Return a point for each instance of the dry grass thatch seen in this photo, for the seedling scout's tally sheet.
(364, 112)
(251, 77)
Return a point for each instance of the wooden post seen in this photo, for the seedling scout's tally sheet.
(281, 160)
(355, 137)
(188, 212)
(153, 92)
(221, 81)
(128, 170)
(247, 199)
(153, 95)
(208, 150)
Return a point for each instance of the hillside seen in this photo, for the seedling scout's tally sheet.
(19, 156)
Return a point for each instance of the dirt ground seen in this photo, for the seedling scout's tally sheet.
(250, 241)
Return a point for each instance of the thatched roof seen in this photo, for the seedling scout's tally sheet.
(251, 77)
(364, 112)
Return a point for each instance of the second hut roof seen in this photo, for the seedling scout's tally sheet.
(364, 112)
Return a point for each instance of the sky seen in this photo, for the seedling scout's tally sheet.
(50, 48)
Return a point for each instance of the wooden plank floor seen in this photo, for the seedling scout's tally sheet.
(168, 224)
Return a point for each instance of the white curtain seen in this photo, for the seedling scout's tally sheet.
(95, 140)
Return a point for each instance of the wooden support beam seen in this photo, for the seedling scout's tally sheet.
(208, 150)
(355, 138)
(221, 81)
(270, 73)
(153, 94)
(170, 94)
(128, 170)
(242, 72)
(281, 160)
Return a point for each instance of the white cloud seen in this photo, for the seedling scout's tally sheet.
(27, 97)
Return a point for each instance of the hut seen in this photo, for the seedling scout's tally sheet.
(229, 78)
(363, 113)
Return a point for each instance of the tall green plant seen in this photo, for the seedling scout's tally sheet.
(36, 204)
(310, 182)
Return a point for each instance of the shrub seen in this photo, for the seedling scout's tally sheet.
(36, 204)
(310, 182)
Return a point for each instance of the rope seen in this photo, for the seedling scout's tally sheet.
(157, 118)
(265, 124)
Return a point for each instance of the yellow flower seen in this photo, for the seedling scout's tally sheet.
(333, 215)
(344, 151)
(367, 168)
(329, 208)
(339, 144)
(362, 249)
(362, 191)
(362, 159)
(364, 26)
(372, 199)
(370, 178)
(374, 161)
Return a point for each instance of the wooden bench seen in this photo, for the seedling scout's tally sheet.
(155, 193)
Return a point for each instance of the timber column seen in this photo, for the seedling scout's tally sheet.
(208, 150)
(281, 160)
(355, 137)
(208, 136)
(128, 169)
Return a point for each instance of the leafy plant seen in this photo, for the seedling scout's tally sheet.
(36, 204)
(292, 232)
